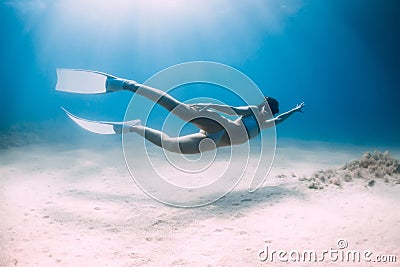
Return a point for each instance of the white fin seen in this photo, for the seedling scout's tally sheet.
(103, 127)
(81, 81)
(93, 126)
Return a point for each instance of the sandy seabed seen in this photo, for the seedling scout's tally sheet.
(76, 205)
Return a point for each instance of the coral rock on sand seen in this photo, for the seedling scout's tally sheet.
(369, 168)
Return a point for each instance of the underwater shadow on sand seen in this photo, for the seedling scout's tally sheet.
(133, 211)
(234, 200)
(239, 200)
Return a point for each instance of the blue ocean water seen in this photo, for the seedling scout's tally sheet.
(340, 57)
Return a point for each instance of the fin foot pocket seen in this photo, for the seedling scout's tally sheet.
(125, 127)
(115, 84)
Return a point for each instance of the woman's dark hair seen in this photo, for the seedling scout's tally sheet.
(272, 103)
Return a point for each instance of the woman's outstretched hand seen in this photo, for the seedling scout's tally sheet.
(299, 107)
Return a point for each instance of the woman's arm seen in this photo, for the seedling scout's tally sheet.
(282, 117)
(238, 111)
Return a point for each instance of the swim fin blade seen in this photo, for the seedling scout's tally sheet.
(102, 127)
(87, 82)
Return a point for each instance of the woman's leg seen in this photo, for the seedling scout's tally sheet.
(156, 137)
(208, 121)
(160, 97)
(189, 144)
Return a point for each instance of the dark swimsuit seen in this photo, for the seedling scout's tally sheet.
(249, 122)
(252, 127)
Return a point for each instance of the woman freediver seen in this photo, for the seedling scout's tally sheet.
(215, 129)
